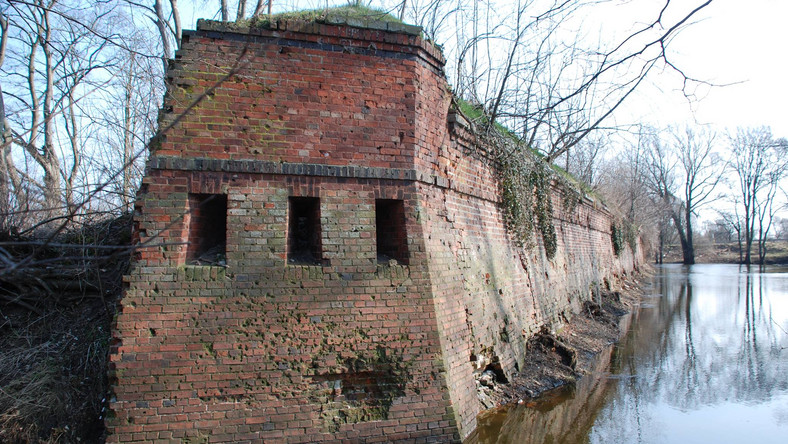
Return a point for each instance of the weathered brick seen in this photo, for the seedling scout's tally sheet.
(261, 344)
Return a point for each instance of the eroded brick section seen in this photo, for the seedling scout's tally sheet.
(352, 337)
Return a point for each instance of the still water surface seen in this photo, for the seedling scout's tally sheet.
(706, 361)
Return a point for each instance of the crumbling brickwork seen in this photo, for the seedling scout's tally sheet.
(365, 272)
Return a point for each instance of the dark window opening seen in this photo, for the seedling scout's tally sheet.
(391, 234)
(207, 229)
(303, 233)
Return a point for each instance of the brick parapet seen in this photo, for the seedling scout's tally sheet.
(334, 106)
(338, 34)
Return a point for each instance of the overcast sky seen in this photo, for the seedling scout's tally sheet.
(739, 43)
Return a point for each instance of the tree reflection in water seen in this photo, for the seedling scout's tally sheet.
(706, 361)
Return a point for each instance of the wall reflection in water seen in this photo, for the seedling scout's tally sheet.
(706, 361)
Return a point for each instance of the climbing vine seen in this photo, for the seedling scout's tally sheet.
(525, 182)
(631, 235)
(540, 181)
(570, 195)
(617, 236)
(517, 200)
(624, 233)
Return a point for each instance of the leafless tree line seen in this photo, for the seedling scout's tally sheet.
(669, 175)
(79, 101)
(534, 68)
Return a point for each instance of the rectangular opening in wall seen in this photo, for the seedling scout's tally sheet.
(392, 237)
(303, 231)
(207, 229)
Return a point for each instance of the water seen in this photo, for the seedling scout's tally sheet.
(706, 361)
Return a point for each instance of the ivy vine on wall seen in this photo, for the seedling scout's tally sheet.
(617, 236)
(525, 182)
(624, 233)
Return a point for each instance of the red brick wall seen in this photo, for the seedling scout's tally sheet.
(491, 296)
(349, 349)
(262, 349)
(348, 96)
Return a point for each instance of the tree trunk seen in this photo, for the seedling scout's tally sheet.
(688, 247)
(762, 253)
(225, 11)
(241, 10)
(749, 233)
(161, 25)
(128, 144)
(72, 130)
(47, 156)
(258, 9)
(688, 252)
(176, 18)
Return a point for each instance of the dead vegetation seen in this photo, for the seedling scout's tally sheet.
(57, 297)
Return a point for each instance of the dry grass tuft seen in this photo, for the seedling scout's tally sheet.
(55, 312)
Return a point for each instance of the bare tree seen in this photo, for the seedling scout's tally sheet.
(766, 206)
(661, 178)
(701, 169)
(129, 124)
(734, 222)
(719, 231)
(433, 16)
(759, 163)
(551, 89)
(766, 210)
(168, 23)
(225, 11)
(241, 10)
(622, 181)
(258, 10)
(35, 132)
(682, 177)
(70, 69)
(782, 229)
(53, 59)
(12, 193)
(584, 162)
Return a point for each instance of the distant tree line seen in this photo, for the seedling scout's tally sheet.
(676, 172)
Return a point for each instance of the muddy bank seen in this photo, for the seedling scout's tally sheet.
(555, 359)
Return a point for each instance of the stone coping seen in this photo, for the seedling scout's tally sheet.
(331, 26)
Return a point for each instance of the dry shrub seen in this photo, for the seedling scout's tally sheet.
(57, 300)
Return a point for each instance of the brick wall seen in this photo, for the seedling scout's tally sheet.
(351, 345)
(491, 296)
